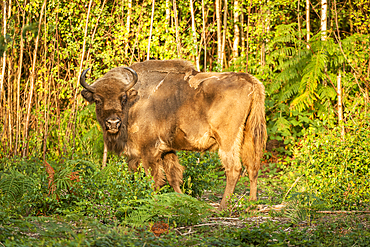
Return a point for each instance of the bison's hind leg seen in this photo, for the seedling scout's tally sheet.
(251, 162)
(173, 170)
(229, 154)
(233, 168)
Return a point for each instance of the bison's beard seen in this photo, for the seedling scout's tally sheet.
(116, 142)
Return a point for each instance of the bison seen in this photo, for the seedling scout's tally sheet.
(152, 109)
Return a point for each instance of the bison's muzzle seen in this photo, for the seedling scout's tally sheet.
(113, 124)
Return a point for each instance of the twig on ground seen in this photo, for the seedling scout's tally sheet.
(223, 218)
(235, 205)
(291, 187)
(343, 212)
(205, 224)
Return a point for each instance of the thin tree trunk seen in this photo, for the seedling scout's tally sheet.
(204, 38)
(340, 108)
(177, 29)
(168, 15)
(72, 124)
(308, 27)
(267, 29)
(236, 30)
(194, 34)
(18, 124)
(242, 39)
(224, 35)
(219, 35)
(4, 56)
(339, 79)
(324, 12)
(10, 94)
(128, 22)
(128, 15)
(48, 91)
(151, 30)
(94, 32)
(299, 21)
(350, 18)
(105, 155)
(83, 50)
(32, 84)
(140, 24)
(248, 24)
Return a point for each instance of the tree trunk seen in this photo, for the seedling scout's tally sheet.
(194, 34)
(177, 29)
(2, 77)
(267, 29)
(204, 38)
(75, 103)
(128, 15)
(324, 12)
(105, 155)
(94, 32)
(299, 21)
(223, 57)
(340, 108)
(168, 15)
(20, 64)
(308, 27)
(242, 39)
(236, 29)
(219, 35)
(350, 18)
(151, 30)
(32, 84)
(248, 24)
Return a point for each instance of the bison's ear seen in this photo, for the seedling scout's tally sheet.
(87, 95)
(131, 95)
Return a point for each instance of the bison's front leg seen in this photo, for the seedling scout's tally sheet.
(173, 170)
(153, 165)
(133, 163)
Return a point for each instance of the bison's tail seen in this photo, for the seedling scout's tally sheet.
(255, 133)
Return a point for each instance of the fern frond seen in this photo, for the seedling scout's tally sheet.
(303, 101)
(181, 207)
(289, 92)
(15, 185)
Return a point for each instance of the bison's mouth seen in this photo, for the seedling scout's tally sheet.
(113, 125)
(112, 131)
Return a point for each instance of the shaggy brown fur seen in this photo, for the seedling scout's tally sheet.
(174, 107)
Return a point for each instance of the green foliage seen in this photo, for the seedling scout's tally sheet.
(198, 176)
(101, 192)
(301, 82)
(14, 185)
(302, 206)
(336, 169)
(178, 209)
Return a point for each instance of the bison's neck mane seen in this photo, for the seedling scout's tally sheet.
(116, 143)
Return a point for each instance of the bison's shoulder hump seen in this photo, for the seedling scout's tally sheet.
(165, 66)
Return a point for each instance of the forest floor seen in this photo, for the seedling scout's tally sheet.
(271, 221)
(264, 223)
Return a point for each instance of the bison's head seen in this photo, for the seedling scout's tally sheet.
(112, 93)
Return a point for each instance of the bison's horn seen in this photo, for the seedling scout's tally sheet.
(134, 80)
(84, 84)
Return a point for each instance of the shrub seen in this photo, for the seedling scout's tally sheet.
(335, 168)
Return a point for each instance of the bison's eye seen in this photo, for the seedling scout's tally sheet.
(123, 99)
(97, 101)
